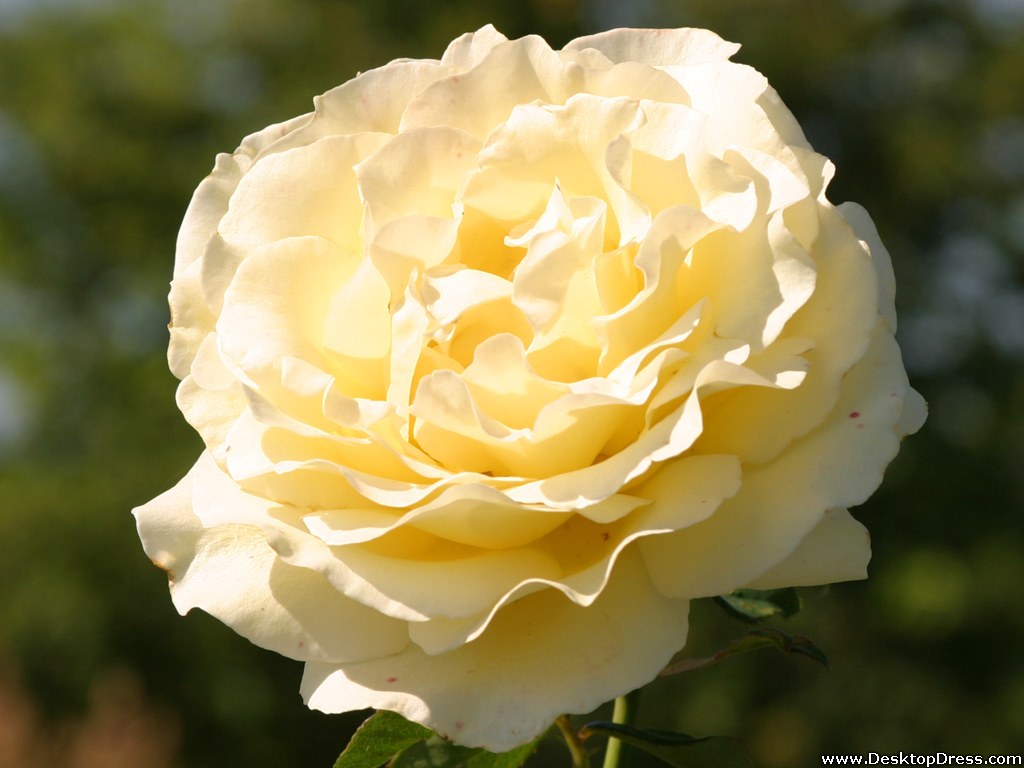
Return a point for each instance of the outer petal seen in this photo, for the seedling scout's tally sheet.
(840, 464)
(467, 50)
(658, 47)
(211, 198)
(511, 73)
(541, 657)
(743, 111)
(191, 319)
(308, 190)
(836, 324)
(837, 549)
(231, 572)
(191, 314)
(212, 413)
(372, 102)
(590, 548)
(864, 229)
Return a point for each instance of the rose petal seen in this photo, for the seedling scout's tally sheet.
(285, 302)
(496, 692)
(630, 79)
(837, 465)
(468, 50)
(412, 244)
(743, 111)
(864, 228)
(413, 575)
(231, 573)
(659, 304)
(471, 514)
(541, 145)
(837, 549)
(211, 199)
(212, 413)
(418, 172)
(658, 47)
(671, 166)
(306, 191)
(592, 544)
(191, 319)
(454, 428)
(838, 318)
(372, 102)
(403, 572)
(475, 101)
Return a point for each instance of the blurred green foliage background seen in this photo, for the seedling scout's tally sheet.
(111, 112)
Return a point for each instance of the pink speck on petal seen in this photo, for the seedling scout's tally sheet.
(854, 414)
(392, 679)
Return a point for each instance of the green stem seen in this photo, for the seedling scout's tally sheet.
(580, 759)
(617, 755)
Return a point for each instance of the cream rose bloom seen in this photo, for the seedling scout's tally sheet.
(501, 359)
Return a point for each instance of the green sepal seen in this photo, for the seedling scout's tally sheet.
(678, 749)
(382, 736)
(755, 605)
(759, 637)
(435, 752)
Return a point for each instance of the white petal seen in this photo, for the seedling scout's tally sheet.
(416, 173)
(838, 465)
(833, 328)
(864, 229)
(837, 549)
(231, 572)
(510, 73)
(742, 110)
(542, 656)
(452, 592)
(541, 145)
(210, 201)
(469, 49)
(288, 300)
(630, 79)
(658, 47)
(472, 514)
(307, 191)
(372, 102)
(191, 319)
(915, 411)
(212, 413)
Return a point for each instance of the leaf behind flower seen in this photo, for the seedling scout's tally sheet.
(382, 736)
(679, 749)
(387, 737)
(435, 752)
(755, 605)
(760, 637)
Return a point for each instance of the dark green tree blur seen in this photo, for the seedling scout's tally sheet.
(111, 111)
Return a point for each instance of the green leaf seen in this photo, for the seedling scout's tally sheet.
(761, 637)
(435, 752)
(755, 605)
(382, 736)
(678, 749)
